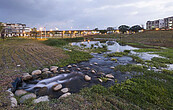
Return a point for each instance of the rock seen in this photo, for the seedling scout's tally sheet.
(87, 68)
(53, 68)
(101, 73)
(112, 67)
(69, 66)
(26, 97)
(95, 63)
(41, 99)
(62, 71)
(99, 58)
(78, 69)
(20, 92)
(36, 72)
(11, 94)
(26, 76)
(148, 69)
(44, 75)
(139, 64)
(57, 87)
(42, 91)
(127, 72)
(91, 64)
(47, 72)
(13, 102)
(100, 80)
(64, 90)
(74, 65)
(68, 71)
(45, 69)
(109, 76)
(87, 78)
(65, 95)
(154, 68)
(93, 71)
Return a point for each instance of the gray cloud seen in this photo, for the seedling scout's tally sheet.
(80, 14)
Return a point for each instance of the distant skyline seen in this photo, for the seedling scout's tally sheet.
(83, 14)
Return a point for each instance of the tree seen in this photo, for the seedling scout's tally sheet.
(103, 31)
(123, 28)
(136, 28)
(2, 31)
(34, 32)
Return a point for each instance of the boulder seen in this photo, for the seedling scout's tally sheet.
(45, 69)
(13, 102)
(57, 87)
(64, 90)
(26, 76)
(109, 76)
(41, 99)
(65, 95)
(26, 97)
(36, 72)
(69, 66)
(87, 78)
(53, 68)
(20, 92)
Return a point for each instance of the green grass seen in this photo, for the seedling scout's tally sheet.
(168, 53)
(137, 59)
(169, 72)
(117, 54)
(129, 68)
(147, 50)
(75, 57)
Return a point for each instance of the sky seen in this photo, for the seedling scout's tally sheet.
(83, 14)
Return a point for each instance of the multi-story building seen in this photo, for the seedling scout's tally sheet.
(18, 29)
(166, 23)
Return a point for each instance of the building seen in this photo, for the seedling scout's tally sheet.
(166, 23)
(15, 29)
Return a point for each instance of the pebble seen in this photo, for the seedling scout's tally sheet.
(45, 69)
(112, 67)
(87, 68)
(36, 72)
(26, 76)
(26, 97)
(62, 71)
(41, 99)
(100, 80)
(78, 69)
(93, 71)
(64, 90)
(74, 65)
(65, 95)
(69, 66)
(68, 71)
(57, 87)
(20, 92)
(109, 76)
(13, 102)
(53, 68)
(87, 78)
(95, 63)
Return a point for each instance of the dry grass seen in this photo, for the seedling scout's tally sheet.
(30, 55)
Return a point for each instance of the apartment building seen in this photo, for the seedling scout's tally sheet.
(15, 29)
(166, 23)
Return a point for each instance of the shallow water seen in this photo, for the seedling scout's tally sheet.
(75, 79)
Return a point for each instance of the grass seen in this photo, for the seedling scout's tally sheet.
(117, 54)
(147, 50)
(129, 68)
(137, 59)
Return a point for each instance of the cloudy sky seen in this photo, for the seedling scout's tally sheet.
(83, 14)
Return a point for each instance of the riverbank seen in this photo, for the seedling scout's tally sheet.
(146, 90)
